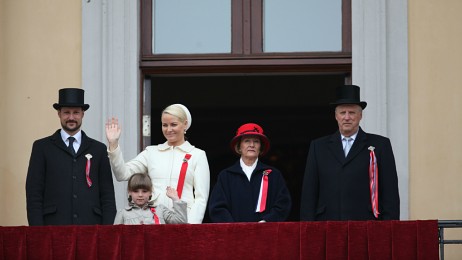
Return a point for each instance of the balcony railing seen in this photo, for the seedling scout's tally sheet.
(443, 224)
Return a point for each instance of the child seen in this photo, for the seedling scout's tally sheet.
(141, 209)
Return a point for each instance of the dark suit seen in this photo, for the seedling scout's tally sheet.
(337, 188)
(56, 189)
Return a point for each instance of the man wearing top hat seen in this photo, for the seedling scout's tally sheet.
(351, 174)
(69, 180)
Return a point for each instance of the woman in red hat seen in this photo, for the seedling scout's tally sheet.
(250, 191)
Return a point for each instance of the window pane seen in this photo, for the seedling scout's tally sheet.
(191, 26)
(302, 25)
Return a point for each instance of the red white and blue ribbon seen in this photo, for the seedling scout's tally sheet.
(261, 205)
(374, 182)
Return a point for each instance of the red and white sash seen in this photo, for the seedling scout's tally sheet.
(261, 204)
(184, 168)
(155, 217)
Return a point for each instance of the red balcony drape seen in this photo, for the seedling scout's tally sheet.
(287, 240)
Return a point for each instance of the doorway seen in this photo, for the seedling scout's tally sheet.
(292, 110)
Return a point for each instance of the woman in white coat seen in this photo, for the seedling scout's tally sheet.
(175, 163)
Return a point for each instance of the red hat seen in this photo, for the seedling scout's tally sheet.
(251, 129)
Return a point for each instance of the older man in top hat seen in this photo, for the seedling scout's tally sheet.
(69, 181)
(350, 175)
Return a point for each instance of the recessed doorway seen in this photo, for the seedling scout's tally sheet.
(292, 109)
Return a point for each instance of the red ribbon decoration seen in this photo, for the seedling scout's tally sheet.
(155, 217)
(261, 206)
(87, 173)
(374, 183)
(184, 167)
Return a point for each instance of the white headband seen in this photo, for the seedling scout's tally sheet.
(188, 115)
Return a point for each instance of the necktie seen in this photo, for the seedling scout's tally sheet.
(348, 142)
(71, 145)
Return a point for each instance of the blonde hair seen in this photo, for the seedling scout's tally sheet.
(181, 112)
(177, 111)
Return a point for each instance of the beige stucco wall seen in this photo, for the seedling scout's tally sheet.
(40, 52)
(435, 58)
(435, 90)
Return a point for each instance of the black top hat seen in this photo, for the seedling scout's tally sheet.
(71, 97)
(348, 94)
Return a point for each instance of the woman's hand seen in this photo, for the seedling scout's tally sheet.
(172, 193)
(113, 133)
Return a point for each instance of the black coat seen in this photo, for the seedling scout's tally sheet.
(234, 198)
(337, 188)
(56, 187)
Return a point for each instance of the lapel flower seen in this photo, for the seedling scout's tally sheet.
(371, 148)
(87, 169)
